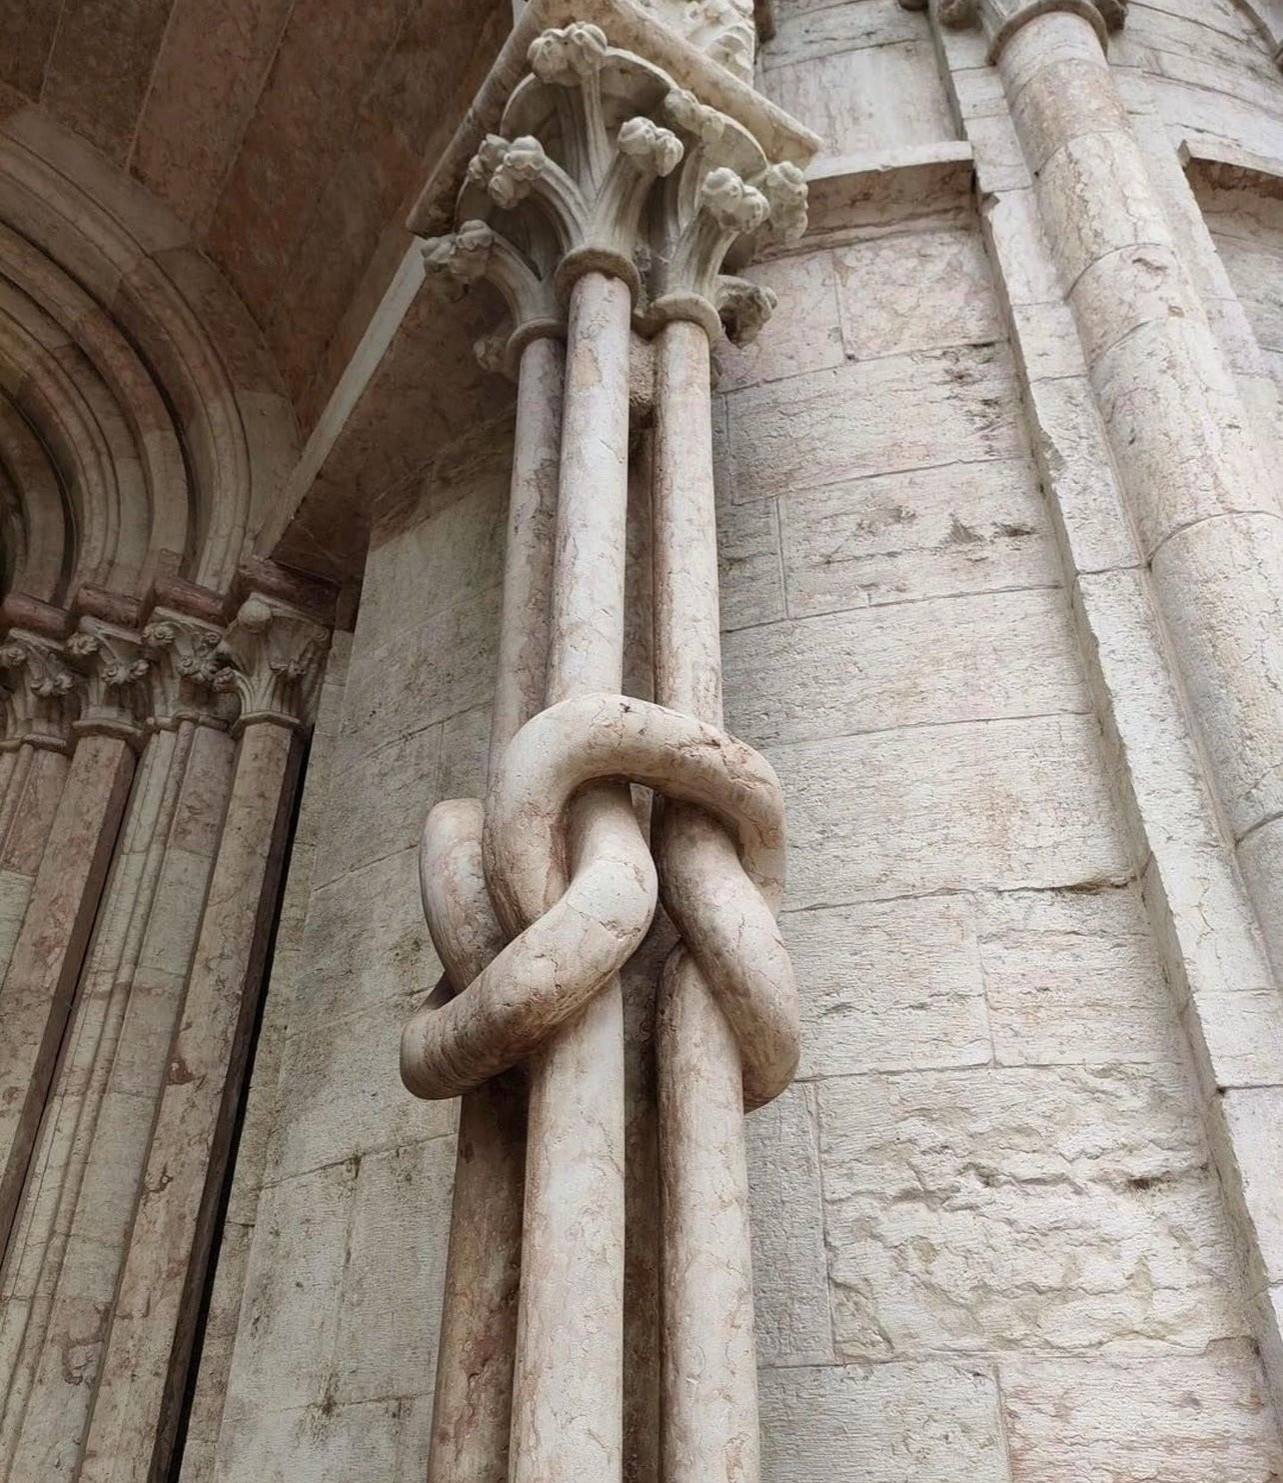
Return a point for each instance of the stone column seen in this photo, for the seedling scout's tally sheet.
(472, 1408)
(89, 1164)
(45, 964)
(39, 703)
(1204, 507)
(272, 653)
(566, 869)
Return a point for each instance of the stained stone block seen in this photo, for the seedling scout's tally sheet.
(420, 676)
(999, 804)
(879, 97)
(993, 655)
(804, 332)
(330, 1443)
(290, 1312)
(341, 1097)
(930, 532)
(1073, 979)
(887, 986)
(377, 803)
(849, 422)
(433, 563)
(365, 940)
(790, 1278)
(1179, 1418)
(1022, 1209)
(749, 575)
(891, 1423)
(395, 1265)
(921, 290)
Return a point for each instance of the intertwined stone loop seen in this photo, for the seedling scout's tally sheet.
(575, 890)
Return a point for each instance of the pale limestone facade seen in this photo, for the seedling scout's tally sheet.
(997, 491)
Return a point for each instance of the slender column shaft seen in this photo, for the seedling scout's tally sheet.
(1187, 458)
(567, 1410)
(94, 1141)
(144, 1368)
(36, 996)
(472, 1413)
(710, 1429)
(30, 801)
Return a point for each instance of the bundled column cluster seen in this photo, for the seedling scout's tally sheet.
(613, 209)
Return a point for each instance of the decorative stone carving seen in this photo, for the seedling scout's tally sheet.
(183, 669)
(114, 667)
(1001, 18)
(614, 191)
(270, 660)
(39, 691)
(723, 28)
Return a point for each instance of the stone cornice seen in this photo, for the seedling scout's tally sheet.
(270, 659)
(39, 692)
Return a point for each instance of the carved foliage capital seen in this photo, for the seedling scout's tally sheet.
(183, 667)
(270, 659)
(604, 163)
(114, 667)
(1002, 18)
(39, 691)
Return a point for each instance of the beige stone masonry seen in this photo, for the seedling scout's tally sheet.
(1167, 517)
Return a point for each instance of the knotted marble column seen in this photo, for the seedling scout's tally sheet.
(565, 871)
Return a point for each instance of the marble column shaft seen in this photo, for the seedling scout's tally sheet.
(472, 1408)
(144, 1369)
(1203, 504)
(90, 1163)
(709, 1409)
(38, 989)
(33, 782)
(567, 1397)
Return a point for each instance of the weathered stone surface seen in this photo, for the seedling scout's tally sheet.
(394, 1264)
(890, 985)
(992, 656)
(999, 804)
(803, 334)
(1082, 1194)
(1181, 1418)
(886, 1423)
(1073, 979)
(837, 424)
(337, 1104)
(927, 532)
(790, 1275)
(923, 290)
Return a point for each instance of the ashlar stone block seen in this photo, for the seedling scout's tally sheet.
(1000, 1210)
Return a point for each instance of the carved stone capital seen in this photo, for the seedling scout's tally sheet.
(183, 668)
(724, 202)
(39, 691)
(1001, 19)
(478, 251)
(576, 158)
(114, 667)
(270, 659)
(603, 163)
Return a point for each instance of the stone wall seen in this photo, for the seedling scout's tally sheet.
(989, 1236)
